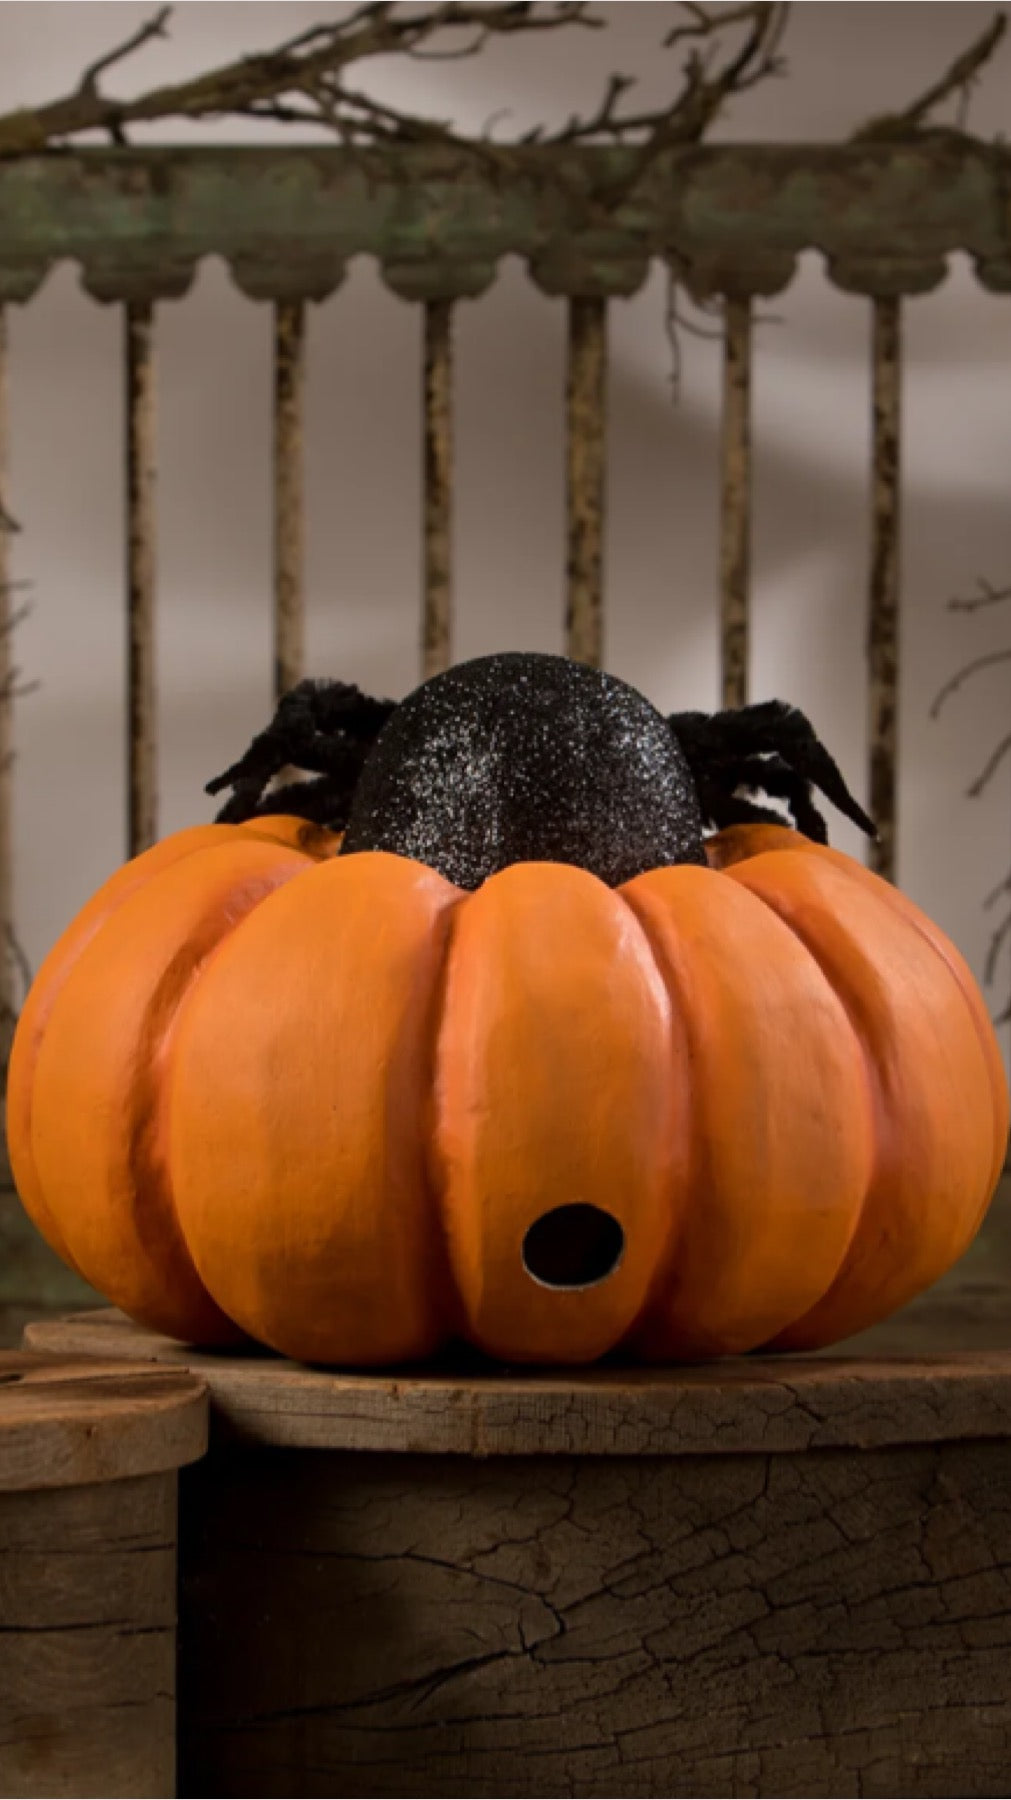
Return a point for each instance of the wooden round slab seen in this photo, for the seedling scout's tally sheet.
(745, 1405)
(72, 1421)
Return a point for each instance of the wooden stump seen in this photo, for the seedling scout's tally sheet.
(766, 1577)
(89, 1452)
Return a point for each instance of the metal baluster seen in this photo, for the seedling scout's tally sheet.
(8, 996)
(586, 445)
(735, 503)
(289, 504)
(140, 576)
(437, 615)
(883, 613)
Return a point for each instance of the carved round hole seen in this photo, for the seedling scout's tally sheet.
(573, 1247)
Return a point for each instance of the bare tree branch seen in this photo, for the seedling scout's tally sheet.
(303, 64)
(707, 85)
(301, 81)
(959, 79)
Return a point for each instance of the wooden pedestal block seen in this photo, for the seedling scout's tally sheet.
(769, 1577)
(88, 1512)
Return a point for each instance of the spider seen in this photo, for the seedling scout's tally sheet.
(527, 757)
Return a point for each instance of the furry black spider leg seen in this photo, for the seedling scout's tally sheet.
(324, 727)
(318, 799)
(772, 776)
(775, 725)
(260, 761)
(733, 809)
(723, 750)
(241, 803)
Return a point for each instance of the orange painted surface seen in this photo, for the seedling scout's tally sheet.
(559, 1081)
(296, 1120)
(62, 1206)
(258, 1089)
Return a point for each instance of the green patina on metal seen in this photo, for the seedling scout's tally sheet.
(732, 218)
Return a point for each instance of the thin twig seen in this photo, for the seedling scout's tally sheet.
(970, 668)
(989, 768)
(990, 966)
(987, 596)
(675, 322)
(996, 941)
(13, 688)
(19, 959)
(152, 28)
(701, 23)
(958, 79)
(704, 92)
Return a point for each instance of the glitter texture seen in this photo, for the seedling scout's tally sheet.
(527, 758)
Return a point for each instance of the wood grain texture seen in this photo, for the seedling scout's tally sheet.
(68, 1422)
(740, 1406)
(739, 1625)
(88, 1639)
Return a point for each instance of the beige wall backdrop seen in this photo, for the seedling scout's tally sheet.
(812, 431)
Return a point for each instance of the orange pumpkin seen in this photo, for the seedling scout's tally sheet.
(336, 1103)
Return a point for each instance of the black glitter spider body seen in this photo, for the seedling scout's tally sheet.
(523, 757)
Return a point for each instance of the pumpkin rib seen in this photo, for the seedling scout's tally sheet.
(918, 1214)
(43, 996)
(739, 844)
(58, 964)
(692, 1160)
(553, 1087)
(781, 1166)
(299, 1175)
(456, 1323)
(951, 956)
(95, 1102)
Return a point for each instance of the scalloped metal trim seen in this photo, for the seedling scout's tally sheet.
(731, 218)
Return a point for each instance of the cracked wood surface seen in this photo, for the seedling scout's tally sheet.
(740, 1406)
(88, 1524)
(88, 1639)
(829, 1623)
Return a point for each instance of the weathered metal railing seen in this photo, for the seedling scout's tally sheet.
(730, 221)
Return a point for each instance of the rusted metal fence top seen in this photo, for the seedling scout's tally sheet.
(733, 218)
